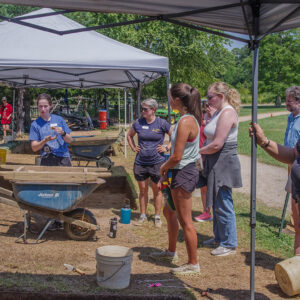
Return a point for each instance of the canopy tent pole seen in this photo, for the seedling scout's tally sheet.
(139, 98)
(13, 114)
(169, 108)
(119, 110)
(253, 167)
(125, 125)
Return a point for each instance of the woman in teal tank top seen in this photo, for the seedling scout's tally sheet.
(182, 163)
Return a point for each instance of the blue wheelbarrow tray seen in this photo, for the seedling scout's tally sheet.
(58, 189)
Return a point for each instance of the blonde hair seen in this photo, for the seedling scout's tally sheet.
(231, 95)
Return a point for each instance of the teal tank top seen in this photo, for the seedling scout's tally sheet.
(191, 149)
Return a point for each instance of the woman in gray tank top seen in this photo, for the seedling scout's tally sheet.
(222, 166)
(184, 153)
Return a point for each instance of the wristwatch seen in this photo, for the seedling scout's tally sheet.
(63, 134)
(166, 147)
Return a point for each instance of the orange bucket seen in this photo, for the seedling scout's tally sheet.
(102, 118)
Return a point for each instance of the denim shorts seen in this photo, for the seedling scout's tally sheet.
(186, 178)
(202, 182)
(143, 172)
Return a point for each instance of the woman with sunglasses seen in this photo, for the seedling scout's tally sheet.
(182, 163)
(149, 151)
(222, 166)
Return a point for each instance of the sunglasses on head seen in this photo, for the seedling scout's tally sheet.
(145, 108)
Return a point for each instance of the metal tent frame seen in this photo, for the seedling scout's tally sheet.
(185, 13)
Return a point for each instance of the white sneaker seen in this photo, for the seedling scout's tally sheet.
(223, 251)
(186, 270)
(166, 255)
(157, 222)
(140, 221)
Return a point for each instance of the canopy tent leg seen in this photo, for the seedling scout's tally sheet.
(119, 110)
(125, 121)
(253, 167)
(139, 98)
(13, 114)
(169, 108)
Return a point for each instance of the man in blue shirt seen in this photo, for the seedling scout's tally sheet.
(292, 133)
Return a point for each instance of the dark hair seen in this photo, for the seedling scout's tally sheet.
(190, 98)
(44, 96)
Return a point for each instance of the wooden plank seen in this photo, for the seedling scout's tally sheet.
(6, 192)
(9, 202)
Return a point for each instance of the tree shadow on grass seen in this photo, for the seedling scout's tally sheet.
(260, 217)
(262, 259)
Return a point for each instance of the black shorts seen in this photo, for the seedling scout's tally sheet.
(143, 172)
(186, 178)
(202, 181)
(53, 160)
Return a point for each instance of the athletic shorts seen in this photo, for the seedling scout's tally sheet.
(5, 121)
(53, 160)
(186, 178)
(143, 172)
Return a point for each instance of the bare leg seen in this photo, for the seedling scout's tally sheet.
(157, 195)
(173, 227)
(143, 196)
(203, 198)
(4, 130)
(183, 204)
(295, 214)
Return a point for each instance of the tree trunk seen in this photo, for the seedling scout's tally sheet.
(20, 112)
(27, 102)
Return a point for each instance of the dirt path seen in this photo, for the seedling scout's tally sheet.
(263, 116)
(270, 182)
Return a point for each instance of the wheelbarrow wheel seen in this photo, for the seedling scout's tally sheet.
(79, 233)
(104, 162)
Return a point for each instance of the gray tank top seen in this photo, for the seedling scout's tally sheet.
(210, 128)
(191, 149)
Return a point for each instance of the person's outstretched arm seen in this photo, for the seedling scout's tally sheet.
(281, 153)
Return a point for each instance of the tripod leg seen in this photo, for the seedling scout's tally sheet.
(284, 212)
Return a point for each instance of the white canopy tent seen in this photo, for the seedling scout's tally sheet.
(30, 57)
(255, 18)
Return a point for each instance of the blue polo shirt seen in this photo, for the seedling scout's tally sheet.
(149, 137)
(40, 129)
(292, 133)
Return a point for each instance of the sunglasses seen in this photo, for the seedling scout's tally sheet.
(145, 109)
(210, 97)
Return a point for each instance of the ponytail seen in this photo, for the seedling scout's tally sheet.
(190, 98)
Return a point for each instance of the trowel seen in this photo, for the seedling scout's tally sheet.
(71, 268)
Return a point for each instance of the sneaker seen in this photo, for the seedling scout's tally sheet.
(211, 242)
(140, 221)
(165, 256)
(56, 225)
(223, 251)
(157, 222)
(206, 216)
(186, 269)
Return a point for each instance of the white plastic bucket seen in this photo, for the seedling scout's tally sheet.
(287, 274)
(113, 266)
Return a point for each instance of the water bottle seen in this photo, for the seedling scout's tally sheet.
(125, 214)
(113, 227)
(167, 195)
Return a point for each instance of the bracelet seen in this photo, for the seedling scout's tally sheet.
(63, 134)
(265, 145)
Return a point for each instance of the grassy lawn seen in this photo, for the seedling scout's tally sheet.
(274, 129)
(246, 110)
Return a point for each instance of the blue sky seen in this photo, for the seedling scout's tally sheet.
(237, 44)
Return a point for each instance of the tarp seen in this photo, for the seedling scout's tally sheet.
(30, 57)
(227, 15)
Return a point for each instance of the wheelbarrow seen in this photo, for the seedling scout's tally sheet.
(92, 148)
(54, 192)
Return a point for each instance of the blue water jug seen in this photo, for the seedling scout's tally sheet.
(125, 214)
